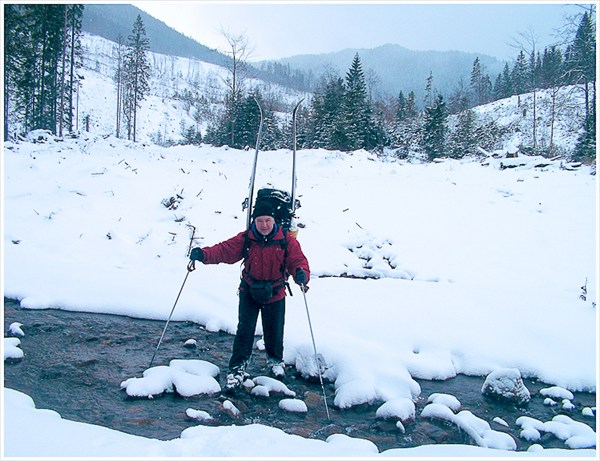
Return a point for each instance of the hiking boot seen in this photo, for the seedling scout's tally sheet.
(235, 378)
(276, 368)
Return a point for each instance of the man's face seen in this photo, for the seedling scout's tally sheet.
(264, 224)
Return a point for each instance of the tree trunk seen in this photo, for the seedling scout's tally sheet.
(61, 109)
(534, 119)
(552, 118)
(72, 74)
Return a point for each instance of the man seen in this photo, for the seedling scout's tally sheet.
(270, 254)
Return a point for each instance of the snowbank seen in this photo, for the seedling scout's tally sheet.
(419, 270)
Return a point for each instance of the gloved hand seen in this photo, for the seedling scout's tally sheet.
(300, 277)
(197, 254)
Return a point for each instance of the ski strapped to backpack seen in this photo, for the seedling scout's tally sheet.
(247, 204)
(295, 204)
(284, 203)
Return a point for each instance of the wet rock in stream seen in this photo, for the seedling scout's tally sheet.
(74, 364)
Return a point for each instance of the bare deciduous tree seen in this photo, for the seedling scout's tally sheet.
(239, 51)
(527, 42)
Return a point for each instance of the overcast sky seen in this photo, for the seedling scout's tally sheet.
(281, 29)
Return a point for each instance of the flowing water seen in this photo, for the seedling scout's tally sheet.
(75, 362)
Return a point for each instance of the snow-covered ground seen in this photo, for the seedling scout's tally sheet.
(419, 270)
(463, 268)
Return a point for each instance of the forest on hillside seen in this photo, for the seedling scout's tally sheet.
(43, 56)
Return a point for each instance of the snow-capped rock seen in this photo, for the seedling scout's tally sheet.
(506, 383)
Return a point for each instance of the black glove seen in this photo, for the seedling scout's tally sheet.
(197, 255)
(300, 277)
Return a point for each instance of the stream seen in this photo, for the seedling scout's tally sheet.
(75, 362)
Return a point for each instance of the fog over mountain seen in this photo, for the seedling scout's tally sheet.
(399, 69)
(390, 68)
(113, 20)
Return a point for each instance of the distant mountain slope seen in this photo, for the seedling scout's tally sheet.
(163, 114)
(396, 68)
(111, 20)
(400, 69)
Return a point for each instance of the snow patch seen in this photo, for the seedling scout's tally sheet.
(268, 385)
(478, 429)
(574, 433)
(200, 415)
(186, 377)
(15, 329)
(12, 349)
(293, 405)
(403, 409)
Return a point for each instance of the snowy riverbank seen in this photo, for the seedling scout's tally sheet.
(467, 268)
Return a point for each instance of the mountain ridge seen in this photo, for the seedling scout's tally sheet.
(111, 20)
(447, 67)
(390, 61)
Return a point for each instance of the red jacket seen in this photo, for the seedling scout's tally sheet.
(265, 259)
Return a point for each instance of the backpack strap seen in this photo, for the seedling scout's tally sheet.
(246, 248)
(284, 244)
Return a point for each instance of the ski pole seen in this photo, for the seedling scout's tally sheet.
(190, 267)
(303, 289)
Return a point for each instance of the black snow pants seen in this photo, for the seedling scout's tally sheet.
(273, 318)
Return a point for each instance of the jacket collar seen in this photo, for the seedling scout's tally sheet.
(276, 234)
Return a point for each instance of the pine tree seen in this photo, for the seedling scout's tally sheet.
(411, 106)
(400, 112)
(405, 133)
(363, 128)
(507, 88)
(15, 46)
(39, 79)
(478, 83)
(405, 107)
(463, 141)
(585, 150)
(24, 54)
(583, 60)
(136, 75)
(435, 129)
(503, 87)
(119, 55)
(458, 98)
(580, 64)
(190, 135)
(302, 129)
(552, 68)
(231, 127)
(272, 138)
(519, 77)
(326, 125)
(551, 77)
(41, 59)
(356, 110)
(75, 58)
(71, 58)
(247, 123)
(429, 92)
